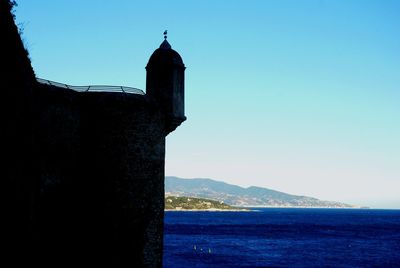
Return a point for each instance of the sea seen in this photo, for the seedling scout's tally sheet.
(283, 237)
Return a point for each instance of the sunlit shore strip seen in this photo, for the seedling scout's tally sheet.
(212, 210)
(252, 209)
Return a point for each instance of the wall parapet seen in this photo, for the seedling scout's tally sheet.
(93, 88)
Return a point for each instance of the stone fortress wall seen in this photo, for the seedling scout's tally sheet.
(84, 171)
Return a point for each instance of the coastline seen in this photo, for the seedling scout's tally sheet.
(211, 210)
(252, 209)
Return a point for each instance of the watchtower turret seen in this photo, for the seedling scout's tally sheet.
(166, 84)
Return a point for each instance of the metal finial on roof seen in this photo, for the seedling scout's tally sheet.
(165, 44)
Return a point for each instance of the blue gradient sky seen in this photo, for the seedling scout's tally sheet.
(297, 96)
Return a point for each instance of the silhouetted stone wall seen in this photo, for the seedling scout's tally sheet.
(101, 177)
(82, 178)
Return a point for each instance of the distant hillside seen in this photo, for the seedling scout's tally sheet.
(238, 196)
(191, 203)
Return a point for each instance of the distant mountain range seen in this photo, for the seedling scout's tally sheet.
(243, 197)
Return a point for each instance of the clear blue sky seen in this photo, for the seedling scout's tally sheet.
(297, 96)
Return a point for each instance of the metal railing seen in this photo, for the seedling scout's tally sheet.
(93, 88)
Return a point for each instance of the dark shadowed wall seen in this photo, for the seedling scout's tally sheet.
(83, 172)
(101, 177)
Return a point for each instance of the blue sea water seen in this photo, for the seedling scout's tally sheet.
(283, 238)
